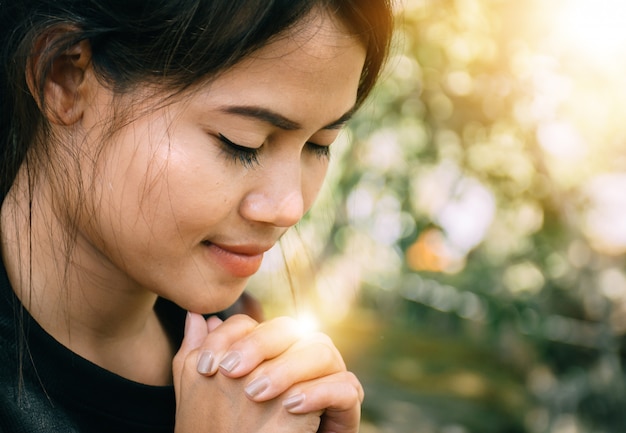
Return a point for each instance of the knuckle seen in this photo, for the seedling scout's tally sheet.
(355, 398)
(253, 341)
(282, 322)
(353, 395)
(242, 319)
(328, 355)
(322, 338)
(357, 386)
(285, 326)
(229, 332)
(216, 341)
(351, 377)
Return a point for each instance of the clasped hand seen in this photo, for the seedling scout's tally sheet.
(241, 376)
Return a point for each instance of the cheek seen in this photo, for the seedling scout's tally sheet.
(312, 180)
(129, 196)
(195, 183)
(184, 195)
(126, 200)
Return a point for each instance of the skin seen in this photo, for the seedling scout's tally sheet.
(169, 208)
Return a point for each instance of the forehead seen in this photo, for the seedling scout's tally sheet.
(315, 66)
(320, 35)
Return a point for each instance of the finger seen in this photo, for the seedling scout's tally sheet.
(338, 392)
(205, 363)
(213, 322)
(221, 337)
(196, 331)
(266, 341)
(340, 395)
(314, 358)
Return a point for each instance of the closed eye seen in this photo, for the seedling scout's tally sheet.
(249, 156)
(246, 156)
(319, 150)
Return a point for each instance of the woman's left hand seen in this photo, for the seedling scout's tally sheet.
(305, 370)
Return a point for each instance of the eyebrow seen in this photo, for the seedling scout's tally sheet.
(278, 120)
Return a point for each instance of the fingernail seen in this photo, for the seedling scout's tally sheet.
(257, 386)
(230, 361)
(205, 362)
(293, 401)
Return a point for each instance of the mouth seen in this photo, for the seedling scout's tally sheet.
(240, 261)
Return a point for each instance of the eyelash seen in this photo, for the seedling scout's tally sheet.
(249, 156)
(246, 156)
(319, 150)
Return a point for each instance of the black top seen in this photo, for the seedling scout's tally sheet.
(45, 387)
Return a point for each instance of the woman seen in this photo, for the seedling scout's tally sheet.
(152, 151)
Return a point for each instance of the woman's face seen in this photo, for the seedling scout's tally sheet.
(189, 195)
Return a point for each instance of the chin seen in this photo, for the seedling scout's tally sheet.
(221, 297)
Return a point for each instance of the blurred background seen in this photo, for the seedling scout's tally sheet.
(467, 253)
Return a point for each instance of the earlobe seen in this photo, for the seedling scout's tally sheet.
(62, 99)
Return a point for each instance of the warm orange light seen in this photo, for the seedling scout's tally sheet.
(428, 253)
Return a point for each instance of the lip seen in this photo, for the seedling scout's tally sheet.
(241, 261)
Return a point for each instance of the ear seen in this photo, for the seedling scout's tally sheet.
(62, 90)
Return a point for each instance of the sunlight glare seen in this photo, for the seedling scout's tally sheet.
(307, 323)
(593, 29)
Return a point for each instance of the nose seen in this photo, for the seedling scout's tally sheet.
(276, 199)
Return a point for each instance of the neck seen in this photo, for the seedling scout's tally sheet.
(77, 295)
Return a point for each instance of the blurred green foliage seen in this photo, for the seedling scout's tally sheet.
(468, 252)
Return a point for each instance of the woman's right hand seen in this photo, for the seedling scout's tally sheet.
(219, 404)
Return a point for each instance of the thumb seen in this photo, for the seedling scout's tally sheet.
(196, 331)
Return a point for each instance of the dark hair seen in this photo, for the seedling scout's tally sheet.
(173, 43)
